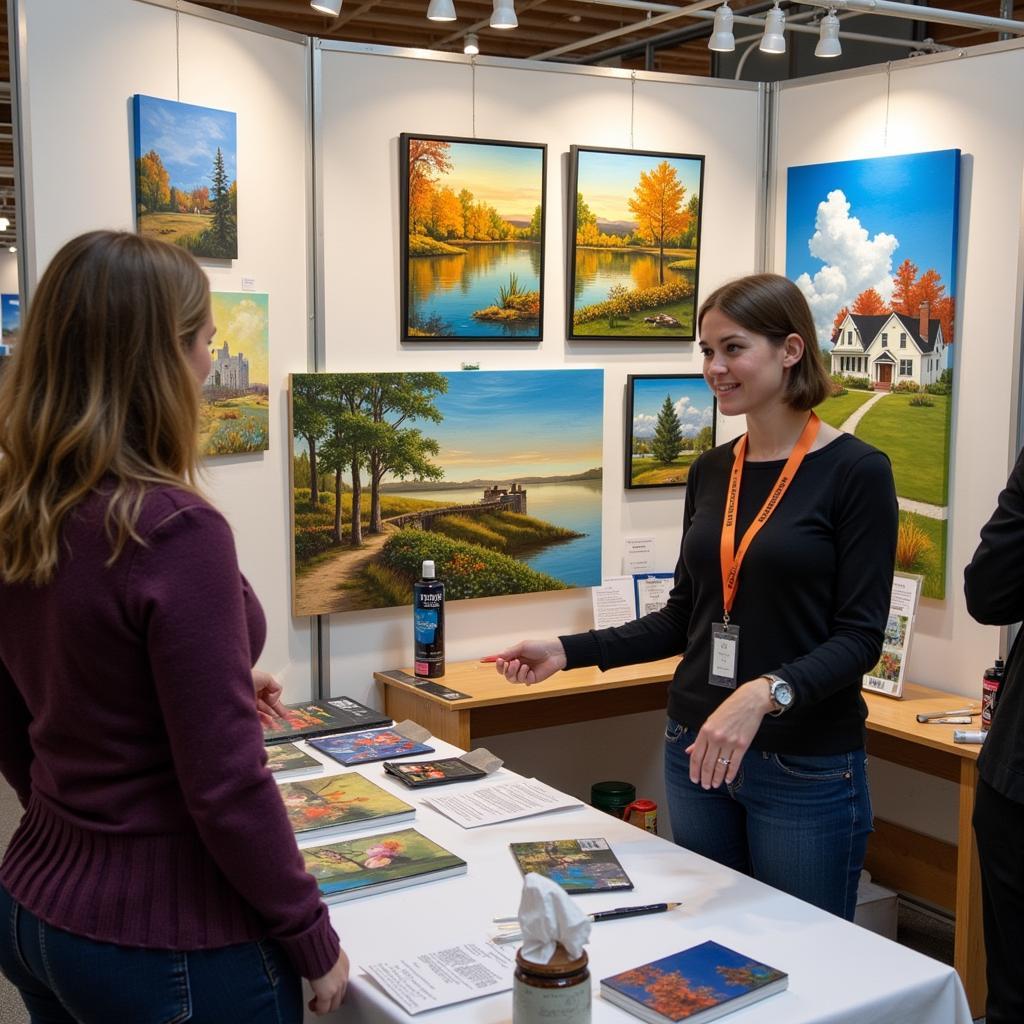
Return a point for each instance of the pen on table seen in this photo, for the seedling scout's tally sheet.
(930, 716)
(950, 720)
(508, 927)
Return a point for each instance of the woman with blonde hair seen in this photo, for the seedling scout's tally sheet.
(780, 603)
(154, 875)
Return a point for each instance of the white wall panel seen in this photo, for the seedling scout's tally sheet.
(84, 63)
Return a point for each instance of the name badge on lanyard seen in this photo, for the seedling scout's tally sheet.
(725, 635)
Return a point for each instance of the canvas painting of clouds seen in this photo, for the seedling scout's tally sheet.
(186, 188)
(670, 420)
(872, 244)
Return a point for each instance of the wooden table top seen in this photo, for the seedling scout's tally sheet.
(885, 714)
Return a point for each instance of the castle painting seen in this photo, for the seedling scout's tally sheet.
(234, 416)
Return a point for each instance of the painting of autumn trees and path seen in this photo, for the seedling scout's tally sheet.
(636, 237)
(690, 984)
(473, 238)
(495, 475)
(872, 244)
(186, 190)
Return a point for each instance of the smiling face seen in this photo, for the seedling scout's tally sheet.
(745, 370)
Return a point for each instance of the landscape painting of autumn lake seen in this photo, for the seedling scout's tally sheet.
(186, 190)
(472, 238)
(635, 251)
(495, 475)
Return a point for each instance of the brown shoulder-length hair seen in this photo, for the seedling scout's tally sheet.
(99, 389)
(772, 305)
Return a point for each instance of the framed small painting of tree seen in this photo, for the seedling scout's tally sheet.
(670, 420)
(634, 258)
(186, 188)
(472, 239)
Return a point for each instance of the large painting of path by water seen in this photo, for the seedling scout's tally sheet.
(472, 239)
(495, 475)
(635, 254)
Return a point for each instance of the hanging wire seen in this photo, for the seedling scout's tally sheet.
(632, 108)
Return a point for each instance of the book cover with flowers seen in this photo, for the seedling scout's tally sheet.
(372, 745)
(369, 864)
(699, 984)
(340, 803)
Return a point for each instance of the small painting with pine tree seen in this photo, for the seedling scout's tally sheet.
(670, 420)
(186, 188)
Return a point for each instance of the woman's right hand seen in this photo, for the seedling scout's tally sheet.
(329, 991)
(531, 661)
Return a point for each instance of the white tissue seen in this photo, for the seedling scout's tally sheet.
(548, 916)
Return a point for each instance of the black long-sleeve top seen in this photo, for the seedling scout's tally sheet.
(813, 596)
(994, 586)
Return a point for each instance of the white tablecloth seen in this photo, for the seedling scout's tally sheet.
(839, 973)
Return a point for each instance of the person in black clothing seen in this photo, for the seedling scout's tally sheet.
(764, 748)
(994, 585)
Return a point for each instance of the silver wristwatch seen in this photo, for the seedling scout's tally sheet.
(780, 693)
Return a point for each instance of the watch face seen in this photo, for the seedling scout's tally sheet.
(782, 693)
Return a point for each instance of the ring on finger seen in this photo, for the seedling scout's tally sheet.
(724, 761)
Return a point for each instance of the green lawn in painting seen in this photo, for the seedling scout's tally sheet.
(932, 563)
(838, 409)
(234, 425)
(916, 439)
(651, 472)
(632, 325)
(169, 227)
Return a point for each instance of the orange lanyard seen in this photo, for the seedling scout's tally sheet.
(731, 558)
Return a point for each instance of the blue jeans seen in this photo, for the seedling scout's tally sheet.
(798, 823)
(68, 979)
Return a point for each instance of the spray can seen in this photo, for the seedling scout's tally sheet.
(990, 683)
(428, 624)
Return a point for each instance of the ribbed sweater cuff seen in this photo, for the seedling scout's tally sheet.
(581, 649)
(315, 951)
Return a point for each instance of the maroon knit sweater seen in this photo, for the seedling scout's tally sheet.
(129, 731)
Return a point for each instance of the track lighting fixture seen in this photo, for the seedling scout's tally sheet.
(504, 14)
(773, 41)
(441, 10)
(332, 7)
(722, 40)
(828, 41)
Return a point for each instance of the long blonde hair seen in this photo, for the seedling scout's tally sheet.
(99, 390)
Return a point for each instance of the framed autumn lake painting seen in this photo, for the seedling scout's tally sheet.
(472, 239)
(634, 256)
(670, 420)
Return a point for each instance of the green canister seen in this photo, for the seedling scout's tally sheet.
(612, 797)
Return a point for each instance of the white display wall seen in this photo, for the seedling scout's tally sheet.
(84, 62)
(969, 103)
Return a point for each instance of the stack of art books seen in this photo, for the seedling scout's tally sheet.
(374, 745)
(577, 865)
(323, 717)
(370, 864)
(336, 804)
(699, 984)
(287, 761)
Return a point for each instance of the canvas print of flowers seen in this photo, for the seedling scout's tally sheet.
(635, 244)
(872, 244)
(670, 420)
(495, 475)
(235, 413)
(186, 188)
(472, 239)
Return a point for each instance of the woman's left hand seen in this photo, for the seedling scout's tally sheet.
(716, 753)
(268, 696)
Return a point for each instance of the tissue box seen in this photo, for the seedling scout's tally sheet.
(876, 909)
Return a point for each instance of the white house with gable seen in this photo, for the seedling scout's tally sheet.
(890, 349)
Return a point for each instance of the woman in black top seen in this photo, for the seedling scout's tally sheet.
(769, 706)
(994, 585)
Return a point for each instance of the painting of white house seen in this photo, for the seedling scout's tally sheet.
(234, 415)
(872, 244)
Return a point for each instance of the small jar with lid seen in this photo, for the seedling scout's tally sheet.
(557, 992)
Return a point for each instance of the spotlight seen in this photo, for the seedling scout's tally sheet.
(441, 10)
(773, 41)
(332, 7)
(472, 44)
(828, 41)
(504, 14)
(722, 40)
